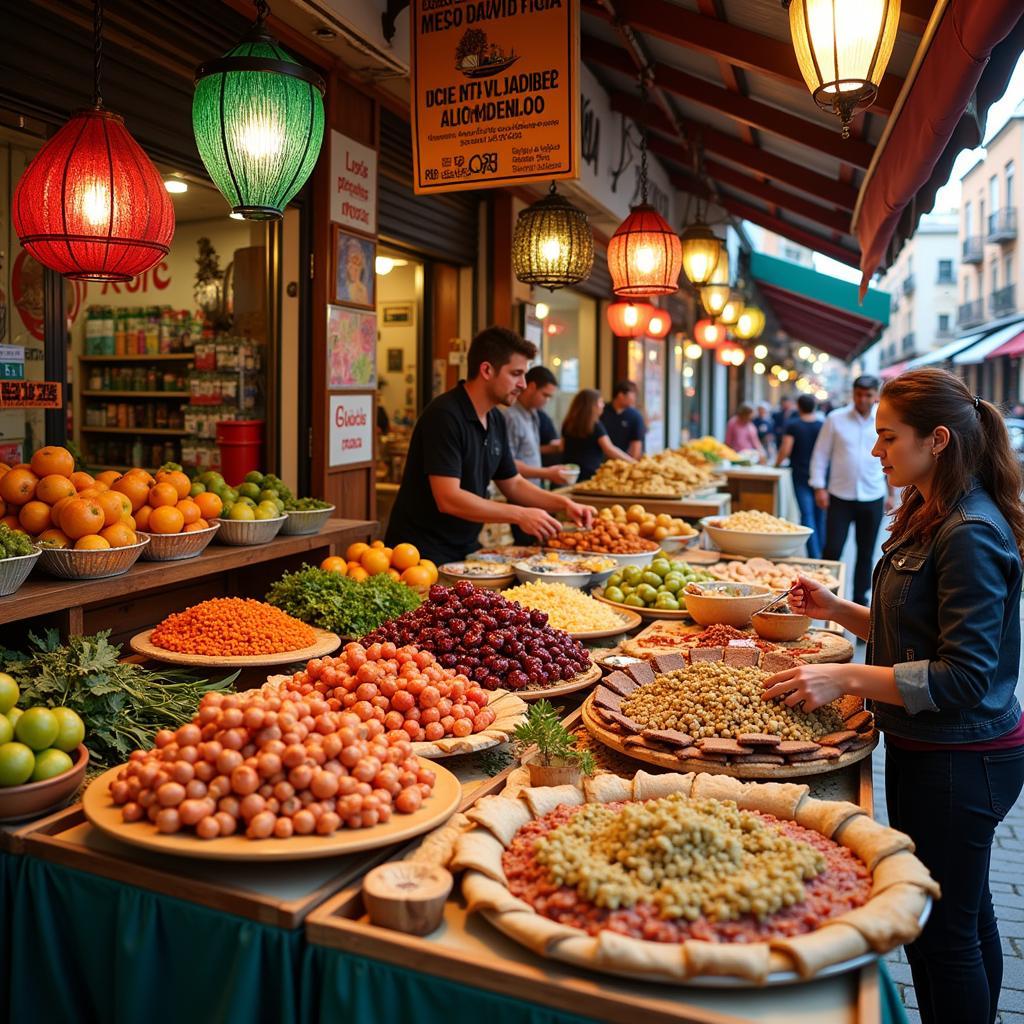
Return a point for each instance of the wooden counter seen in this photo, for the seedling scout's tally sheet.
(764, 488)
(146, 593)
(716, 504)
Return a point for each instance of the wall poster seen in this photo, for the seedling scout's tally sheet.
(351, 348)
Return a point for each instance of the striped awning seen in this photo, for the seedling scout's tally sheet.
(980, 350)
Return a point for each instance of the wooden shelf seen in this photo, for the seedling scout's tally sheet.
(156, 357)
(136, 394)
(157, 431)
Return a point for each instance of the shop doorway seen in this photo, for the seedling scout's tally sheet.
(568, 346)
(400, 339)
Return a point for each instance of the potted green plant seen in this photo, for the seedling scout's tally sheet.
(549, 749)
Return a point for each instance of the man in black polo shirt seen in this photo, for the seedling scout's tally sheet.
(624, 421)
(459, 445)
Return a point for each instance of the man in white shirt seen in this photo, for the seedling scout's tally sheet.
(849, 483)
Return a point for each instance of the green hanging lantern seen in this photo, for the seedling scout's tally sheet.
(258, 119)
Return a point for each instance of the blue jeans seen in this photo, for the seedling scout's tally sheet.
(812, 516)
(950, 803)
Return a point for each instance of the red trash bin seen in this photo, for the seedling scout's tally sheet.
(241, 448)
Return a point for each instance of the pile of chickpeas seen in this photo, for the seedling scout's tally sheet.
(690, 858)
(755, 521)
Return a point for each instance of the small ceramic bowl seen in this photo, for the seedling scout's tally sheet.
(729, 604)
(34, 799)
(780, 626)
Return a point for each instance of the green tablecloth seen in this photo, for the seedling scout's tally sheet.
(79, 948)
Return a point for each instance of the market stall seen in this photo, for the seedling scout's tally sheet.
(766, 488)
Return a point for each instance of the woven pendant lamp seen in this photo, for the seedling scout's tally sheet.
(552, 244)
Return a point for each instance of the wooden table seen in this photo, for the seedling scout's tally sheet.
(764, 488)
(716, 504)
(144, 595)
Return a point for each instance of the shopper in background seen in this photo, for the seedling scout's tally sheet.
(585, 439)
(459, 446)
(523, 424)
(623, 420)
(741, 433)
(781, 416)
(763, 422)
(849, 483)
(943, 654)
(797, 444)
(550, 439)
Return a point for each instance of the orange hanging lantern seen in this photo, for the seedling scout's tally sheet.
(630, 319)
(708, 334)
(659, 324)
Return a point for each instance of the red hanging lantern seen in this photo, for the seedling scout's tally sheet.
(708, 334)
(644, 255)
(659, 324)
(630, 319)
(91, 205)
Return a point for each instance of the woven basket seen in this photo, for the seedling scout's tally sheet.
(247, 532)
(306, 522)
(69, 564)
(14, 572)
(170, 547)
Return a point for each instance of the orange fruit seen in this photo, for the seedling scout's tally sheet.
(55, 537)
(3, 507)
(189, 509)
(58, 507)
(142, 518)
(358, 574)
(133, 485)
(377, 544)
(108, 477)
(388, 552)
(136, 471)
(426, 563)
(118, 535)
(81, 517)
(90, 492)
(355, 551)
(3, 468)
(375, 561)
(53, 459)
(92, 542)
(404, 556)
(395, 574)
(35, 517)
(334, 564)
(163, 494)
(18, 486)
(53, 487)
(199, 524)
(416, 576)
(210, 505)
(12, 522)
(81, 480)
(166, 518)
(115, 506)
(178, 480)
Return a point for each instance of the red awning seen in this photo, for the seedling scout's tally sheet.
(1013, 347)
(893, 371)
(932, 115)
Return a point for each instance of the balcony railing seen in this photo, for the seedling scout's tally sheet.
(1003, 301)
(907, 346)
(973, 250)
(908, 284)
(1002, 225)
(971, 313)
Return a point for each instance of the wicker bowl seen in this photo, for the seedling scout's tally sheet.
(69, 564)
(247, 532)
(306, 522)
(34, 799)
(170, 547)
(14, 572)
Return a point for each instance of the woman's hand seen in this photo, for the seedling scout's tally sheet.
(813, 599)
(811, 685)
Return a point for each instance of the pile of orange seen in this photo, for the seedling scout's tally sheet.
(47, 499)
(402, 562)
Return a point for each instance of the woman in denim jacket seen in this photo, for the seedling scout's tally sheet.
(943, 656)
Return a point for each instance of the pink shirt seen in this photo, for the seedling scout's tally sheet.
(739, 436)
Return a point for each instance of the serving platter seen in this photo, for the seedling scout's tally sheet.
(511, 710)
(630, 621)
(650, 614)
(666, 759)
(326, 643)
(580, 682)
(105, 815)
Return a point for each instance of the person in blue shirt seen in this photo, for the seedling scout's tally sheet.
(585, 440)
(785, 412)
(622, 420)
(797, 444)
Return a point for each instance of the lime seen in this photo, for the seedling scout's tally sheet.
(71, 729)
(239, 510)
(614, 594)
(13, 715)
(615, 580)
(9, 693)
(646, 593)
(254, 477)
(673, 584)
(267, 495)
(37, 728)
(50, 763)
(634, 602)
(248, 490)
(652, 578)
(6, 730)
(261, 513)
(279, 505)
(196, 489)
(244, 499)
(632, 574)
(666, 602)
(661, 567)
(16, 764)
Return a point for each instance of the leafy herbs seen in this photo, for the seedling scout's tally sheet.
(305, 504)
(342, 605)
(121, 703)
(553, 741)
(14, 543)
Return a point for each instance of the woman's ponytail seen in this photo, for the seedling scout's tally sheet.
(999, 469)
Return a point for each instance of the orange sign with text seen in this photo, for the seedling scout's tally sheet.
(495, 92)
(30, 394)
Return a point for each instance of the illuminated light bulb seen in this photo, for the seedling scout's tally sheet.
(776, 369)
(692, 350)
(236, 216)
(557, 361)
(803, 352)
(652, 356)
(550, 249)
(645, 259)
(541, 310)
(678, 350)
(758, 368)
(687, 371)
(761, 351)
(631, 316)
(383, 265)
(176, 186)
(261, 139)
(96, 204)
(783, 374)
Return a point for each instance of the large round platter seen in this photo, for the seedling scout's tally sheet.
(630, 620)
(738, 771)
(580, 682)
(105, 815)
(650, 614)
(326, 643)
(892, 914)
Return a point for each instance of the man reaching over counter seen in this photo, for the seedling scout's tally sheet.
(459, 445)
